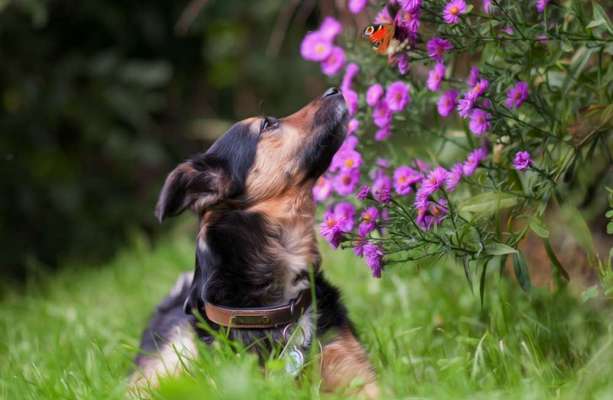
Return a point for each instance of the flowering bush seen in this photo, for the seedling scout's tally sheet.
(474, 123)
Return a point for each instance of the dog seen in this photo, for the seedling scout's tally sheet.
(257, 275)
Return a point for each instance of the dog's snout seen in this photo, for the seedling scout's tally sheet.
(331, 92)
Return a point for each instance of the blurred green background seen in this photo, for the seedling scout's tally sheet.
(100, 99)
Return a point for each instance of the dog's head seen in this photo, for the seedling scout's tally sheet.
(258, 158)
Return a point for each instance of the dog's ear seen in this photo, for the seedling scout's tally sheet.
(191, 184)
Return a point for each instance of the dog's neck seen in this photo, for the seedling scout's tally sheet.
(261, 255)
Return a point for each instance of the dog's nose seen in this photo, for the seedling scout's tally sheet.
(331, 92)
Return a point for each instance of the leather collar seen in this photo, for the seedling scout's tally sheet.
(259, 317)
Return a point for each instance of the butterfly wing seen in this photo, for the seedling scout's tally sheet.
(380, 36)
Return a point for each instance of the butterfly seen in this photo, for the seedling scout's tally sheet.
(383, 36)
(380, 36)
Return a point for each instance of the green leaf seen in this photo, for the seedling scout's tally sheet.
(521, 271)
(482, 283)
(601, 18)
(609, 214)
(488, 203)
(573, 219)
(538, 226)
(610, 228)
(589, 293)
(578, 63)
(499, 249)
(468, 274)
(554, 260)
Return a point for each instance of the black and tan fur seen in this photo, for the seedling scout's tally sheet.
(256, 241)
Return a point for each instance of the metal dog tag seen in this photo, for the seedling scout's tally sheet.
(294, 361)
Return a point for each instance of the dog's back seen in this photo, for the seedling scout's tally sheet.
(168, 337)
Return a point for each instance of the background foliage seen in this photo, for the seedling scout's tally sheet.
(99, 99)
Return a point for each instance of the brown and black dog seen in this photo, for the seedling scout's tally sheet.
(256, 244)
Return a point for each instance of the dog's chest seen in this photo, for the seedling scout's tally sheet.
(299, 253)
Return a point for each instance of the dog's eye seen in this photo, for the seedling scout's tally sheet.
(269, 123)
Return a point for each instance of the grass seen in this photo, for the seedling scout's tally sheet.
(73, 335)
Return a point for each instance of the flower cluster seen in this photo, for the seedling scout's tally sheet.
(430, 187)
(343, 176)
(385, 103)
(319, 46)
(384, 207)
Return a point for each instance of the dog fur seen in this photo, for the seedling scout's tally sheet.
(256, 244)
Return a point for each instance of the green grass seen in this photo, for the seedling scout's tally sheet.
(73, 335)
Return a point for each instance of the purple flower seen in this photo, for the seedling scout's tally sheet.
(434, 181)
(453, 10)
(351, 71)
(541, 5)
(447, 103)
(438, 211)
(345, 213)
(358, 250)
(397, 96)
(454, 177)
(330, 229)
(522, 161)
(465, 106)
(473, 160)
(421, 200)
(350, 143)
(517, 95)
(435, 77)
(542, 39)
(408, 21)
(479, 122)
(353, 126)
(356, 6)
(322, 189)
(383, 163)
(315, 47)
(346, 181)
(346, 160)
(403, 63)
(433, 215)
(351, 98)
(374, 94)
(334, 62)
(473, 76)
(368, 220)
(404, 179)
(381, 189)
(410, 5)
(480, 87)
(330, 28)
(487, 6)
(373, 254)
(363, 193)
(381, 114)
(422, 166)
(383, 17)
(508, 30)
(383, 133)
(376, 173)
(437, 47)
(385, 215)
